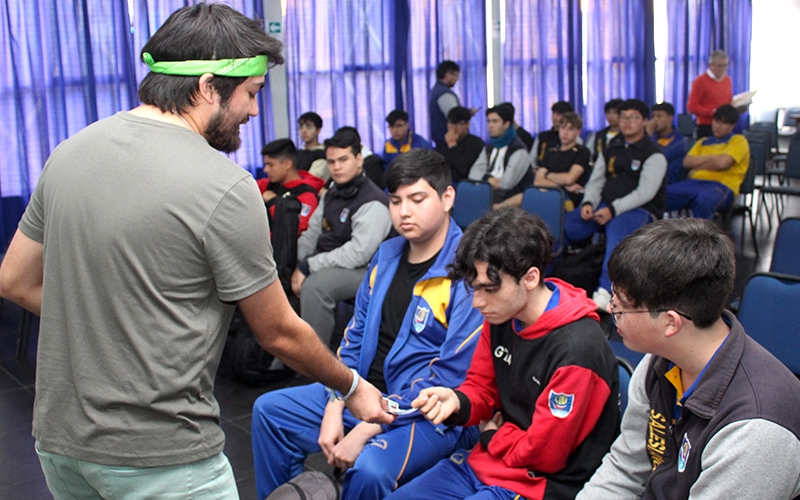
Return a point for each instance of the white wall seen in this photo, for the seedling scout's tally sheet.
(775, 58)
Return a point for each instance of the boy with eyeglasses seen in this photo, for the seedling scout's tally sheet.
(626, 190)
(711, 414)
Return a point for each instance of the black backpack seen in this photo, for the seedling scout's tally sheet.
(310, 485)
(243, 359)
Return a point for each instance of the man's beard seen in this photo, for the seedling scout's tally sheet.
(222, 132)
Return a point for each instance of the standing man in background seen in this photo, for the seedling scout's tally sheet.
(136, 286)
(709, 91)
(442, 99)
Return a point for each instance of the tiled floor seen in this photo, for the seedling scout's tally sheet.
(21, 477)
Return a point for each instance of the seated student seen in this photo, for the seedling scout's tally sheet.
(504, 163)
(549, 138)
(543, 382)
(523, 134)
(460, 148)
(625, 191)
(348, 226)
(413, 328)
(672, 143)
(285, 180)
(711, 414)
(717, 166)
(312, 156)
(603, 136)
(402, 139)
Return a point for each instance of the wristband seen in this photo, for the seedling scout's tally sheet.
(352, 386)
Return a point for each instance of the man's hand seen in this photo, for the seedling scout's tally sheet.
(493, 424)
(602, 216)
(587, 211)
(331, 431)
(367, 404)
(494, 182)
(297, 281)
(574, 188)
(268, 195)
(451, 138)
(348, 449)
(437, 403)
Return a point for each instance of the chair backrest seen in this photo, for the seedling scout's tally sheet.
(625, 370)
(793, 162)
(784, 253)
(547, 203)
(749, 181)
(771, 131)
(473, 199)
(686, 125)
(770, 314)
(758, 156)
(790, 116)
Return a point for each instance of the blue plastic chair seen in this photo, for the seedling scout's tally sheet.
(625, 370)
(473, 199)
(770, 313)
(785, 259)
(548, 203)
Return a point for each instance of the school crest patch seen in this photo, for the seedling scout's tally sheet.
(636, 165)
(344, 214)
(420, 318)
(683, 457)
(561, 404)
(305, 210)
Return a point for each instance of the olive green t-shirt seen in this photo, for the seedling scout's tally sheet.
(149, 237)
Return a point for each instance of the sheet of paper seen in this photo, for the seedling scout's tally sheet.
(743, 99)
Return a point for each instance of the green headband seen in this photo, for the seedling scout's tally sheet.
(243, 67)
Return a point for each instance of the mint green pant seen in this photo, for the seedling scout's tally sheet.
(68, 478)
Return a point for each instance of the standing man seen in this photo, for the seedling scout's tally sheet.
(136, 286)
(402, 139)
(460, 148)
(711, 414)
(672, 143)
(709, 91)
(626, 190)
(442, 99)
(717, 167)
(504, 162)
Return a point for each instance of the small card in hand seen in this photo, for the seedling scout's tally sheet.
(394, 408)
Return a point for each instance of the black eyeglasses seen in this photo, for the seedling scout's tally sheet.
(616, 314)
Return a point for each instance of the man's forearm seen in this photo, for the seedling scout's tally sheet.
(708, 162)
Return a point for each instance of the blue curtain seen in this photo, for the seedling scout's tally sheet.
(696, 29)
(620, 56)
(447, 30)
(339, 64)
(68, 64)
(541, 59)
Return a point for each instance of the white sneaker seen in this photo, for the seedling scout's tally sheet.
(601, 297)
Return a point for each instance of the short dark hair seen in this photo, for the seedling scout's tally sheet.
(636, 105)
(459, 114)
(509, 240)
(202, 32)
(684, 264)
(445, 67)
(397, 114)
(573, 119)
(613, 105)
(665, 107)
(345, 137)
(562, 107)
(503, 110)
(726, 114)
(418, 164)
(281, 149)
(311, 117)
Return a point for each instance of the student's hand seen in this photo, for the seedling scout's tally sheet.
(297, 281)
(348, 449)
(268, 195)
(587, 212)
(451, 138)
(602, 216)
(494, 181)
(436, 403)
(367, 404)
(331, 431)
(493, 424)
(574, 188)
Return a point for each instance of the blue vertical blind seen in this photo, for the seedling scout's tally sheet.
(541, 59)
(696, 29)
